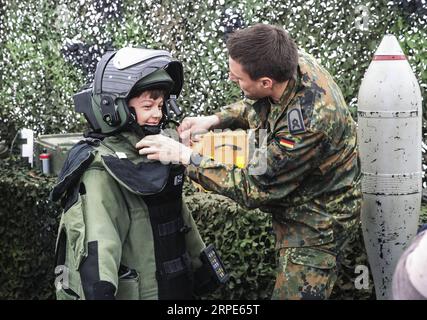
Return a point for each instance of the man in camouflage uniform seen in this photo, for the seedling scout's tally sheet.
(311, 185)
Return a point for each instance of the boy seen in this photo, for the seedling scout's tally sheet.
(125, 232)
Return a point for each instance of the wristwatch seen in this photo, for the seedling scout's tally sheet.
(195, 159)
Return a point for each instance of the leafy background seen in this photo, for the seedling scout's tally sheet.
(49, 49)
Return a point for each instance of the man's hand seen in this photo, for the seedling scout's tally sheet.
(164, 149)
(191, 126)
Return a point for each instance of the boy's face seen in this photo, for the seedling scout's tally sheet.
(148, 110)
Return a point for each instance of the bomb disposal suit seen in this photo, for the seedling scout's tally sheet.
(125, 232)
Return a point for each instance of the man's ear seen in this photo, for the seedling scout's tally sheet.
(267, 83)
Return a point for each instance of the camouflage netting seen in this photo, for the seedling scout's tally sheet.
(49, 49)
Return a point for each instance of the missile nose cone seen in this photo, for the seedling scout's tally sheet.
(389, 83)
(389, 46)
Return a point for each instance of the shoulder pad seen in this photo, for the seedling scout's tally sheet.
(78, 160)
(143, 178)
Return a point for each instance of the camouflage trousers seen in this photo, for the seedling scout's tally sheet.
(305, 273)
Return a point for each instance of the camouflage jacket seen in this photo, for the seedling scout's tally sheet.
(311, 184)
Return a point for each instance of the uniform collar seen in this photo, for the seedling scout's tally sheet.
(130, 137)
(289, 91)
(279, 109)
(123, 143)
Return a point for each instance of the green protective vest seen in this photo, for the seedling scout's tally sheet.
(124, 228)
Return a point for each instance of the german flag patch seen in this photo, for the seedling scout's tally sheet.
(287, 143)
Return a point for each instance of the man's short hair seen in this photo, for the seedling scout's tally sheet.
(264, 51)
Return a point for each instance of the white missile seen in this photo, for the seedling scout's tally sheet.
(389, 139)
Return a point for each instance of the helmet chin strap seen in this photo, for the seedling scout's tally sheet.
(150, 129)
(144, 130)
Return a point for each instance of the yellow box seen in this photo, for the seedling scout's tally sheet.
(228, 147)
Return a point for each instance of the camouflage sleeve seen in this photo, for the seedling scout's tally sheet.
(273, 173)
(233, 116)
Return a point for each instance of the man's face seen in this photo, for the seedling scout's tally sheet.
(252, 89)
(148, 110)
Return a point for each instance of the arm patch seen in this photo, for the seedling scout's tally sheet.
(295, 120)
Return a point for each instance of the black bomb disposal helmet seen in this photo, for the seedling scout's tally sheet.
(104, 105)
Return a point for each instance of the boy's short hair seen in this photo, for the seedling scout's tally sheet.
(155, 93)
